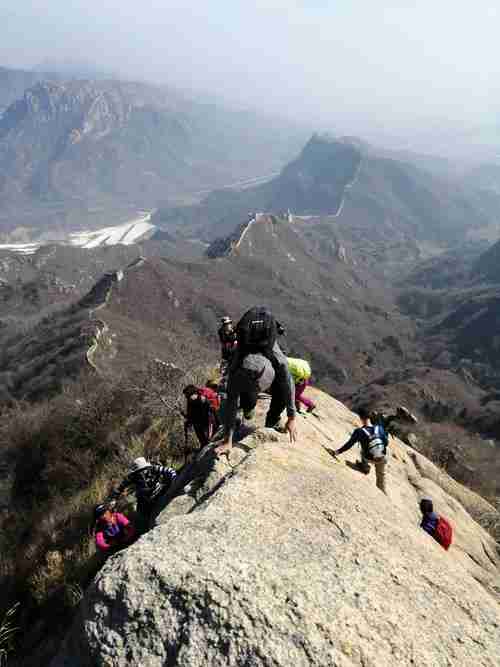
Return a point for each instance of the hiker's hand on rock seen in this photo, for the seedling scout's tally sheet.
(291, 428)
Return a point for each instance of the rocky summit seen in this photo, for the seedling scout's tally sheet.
(283, 555)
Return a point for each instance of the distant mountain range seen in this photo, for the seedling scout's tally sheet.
(364, 195)
(70, 145)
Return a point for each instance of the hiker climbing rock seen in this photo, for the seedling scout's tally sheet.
(202, 405)
(113, 531)
(150, 482)
(300, 371)
(254, 375)
(257, 333)
(228, 341)
(373, 440)
(437, 526)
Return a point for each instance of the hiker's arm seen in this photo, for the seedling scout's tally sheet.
(285, 380)
(350, 443)
(101, 543)
(128, 528)
(168, 474)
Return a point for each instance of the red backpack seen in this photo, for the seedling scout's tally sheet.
(444, 533)
(211, 396)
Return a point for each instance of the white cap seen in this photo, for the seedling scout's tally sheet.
(139, 464)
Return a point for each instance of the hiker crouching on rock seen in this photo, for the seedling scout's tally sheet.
(300, 371)
(150, 484)
(113, 531)
(257, 332)
(202, 405)
(254, 375)
(437, 526)
(373, 440)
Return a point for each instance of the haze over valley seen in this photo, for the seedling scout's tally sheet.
(164, 166)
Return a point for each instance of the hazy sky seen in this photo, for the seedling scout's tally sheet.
(345, 62)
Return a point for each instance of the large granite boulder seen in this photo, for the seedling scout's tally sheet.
(287, 558)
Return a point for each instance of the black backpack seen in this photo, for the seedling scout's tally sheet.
(257, 331)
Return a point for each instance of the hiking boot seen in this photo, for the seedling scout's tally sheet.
(249, 414)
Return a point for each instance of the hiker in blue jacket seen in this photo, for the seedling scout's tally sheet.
(373, 440)
(429, 517)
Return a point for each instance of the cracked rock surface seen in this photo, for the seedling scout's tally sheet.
(284, 557)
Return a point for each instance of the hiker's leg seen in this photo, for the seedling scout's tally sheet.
(364, 465)
(202, 433)
(278, 404)
(248, 401)
(143, 516)
(299, 390)
(299, 398)
(380, 467)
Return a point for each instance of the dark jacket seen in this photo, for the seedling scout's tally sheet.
(429, 522)
(237, 384)
(148, 483)
(228, 343)
(360, 435)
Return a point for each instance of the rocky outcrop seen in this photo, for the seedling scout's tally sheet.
(283, 556)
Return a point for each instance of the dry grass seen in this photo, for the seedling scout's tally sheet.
(67, 455)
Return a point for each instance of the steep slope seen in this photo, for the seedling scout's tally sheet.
(31, 286)
(80, 145)
(285, 557)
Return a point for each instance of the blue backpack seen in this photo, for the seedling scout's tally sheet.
(376, 448)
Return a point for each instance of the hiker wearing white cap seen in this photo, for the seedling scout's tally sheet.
(149, 482)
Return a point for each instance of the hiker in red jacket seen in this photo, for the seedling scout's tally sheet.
(113, 531)
(202, 405)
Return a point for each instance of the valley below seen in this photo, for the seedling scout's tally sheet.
(131, 222)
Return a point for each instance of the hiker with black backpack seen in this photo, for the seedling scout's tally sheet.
(257, 354)
(373, 440)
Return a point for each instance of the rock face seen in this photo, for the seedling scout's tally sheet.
(287, 557)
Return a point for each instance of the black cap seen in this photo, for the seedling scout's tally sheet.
(99, 510)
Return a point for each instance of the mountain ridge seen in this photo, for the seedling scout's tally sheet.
(307, 590)
(67, 145)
